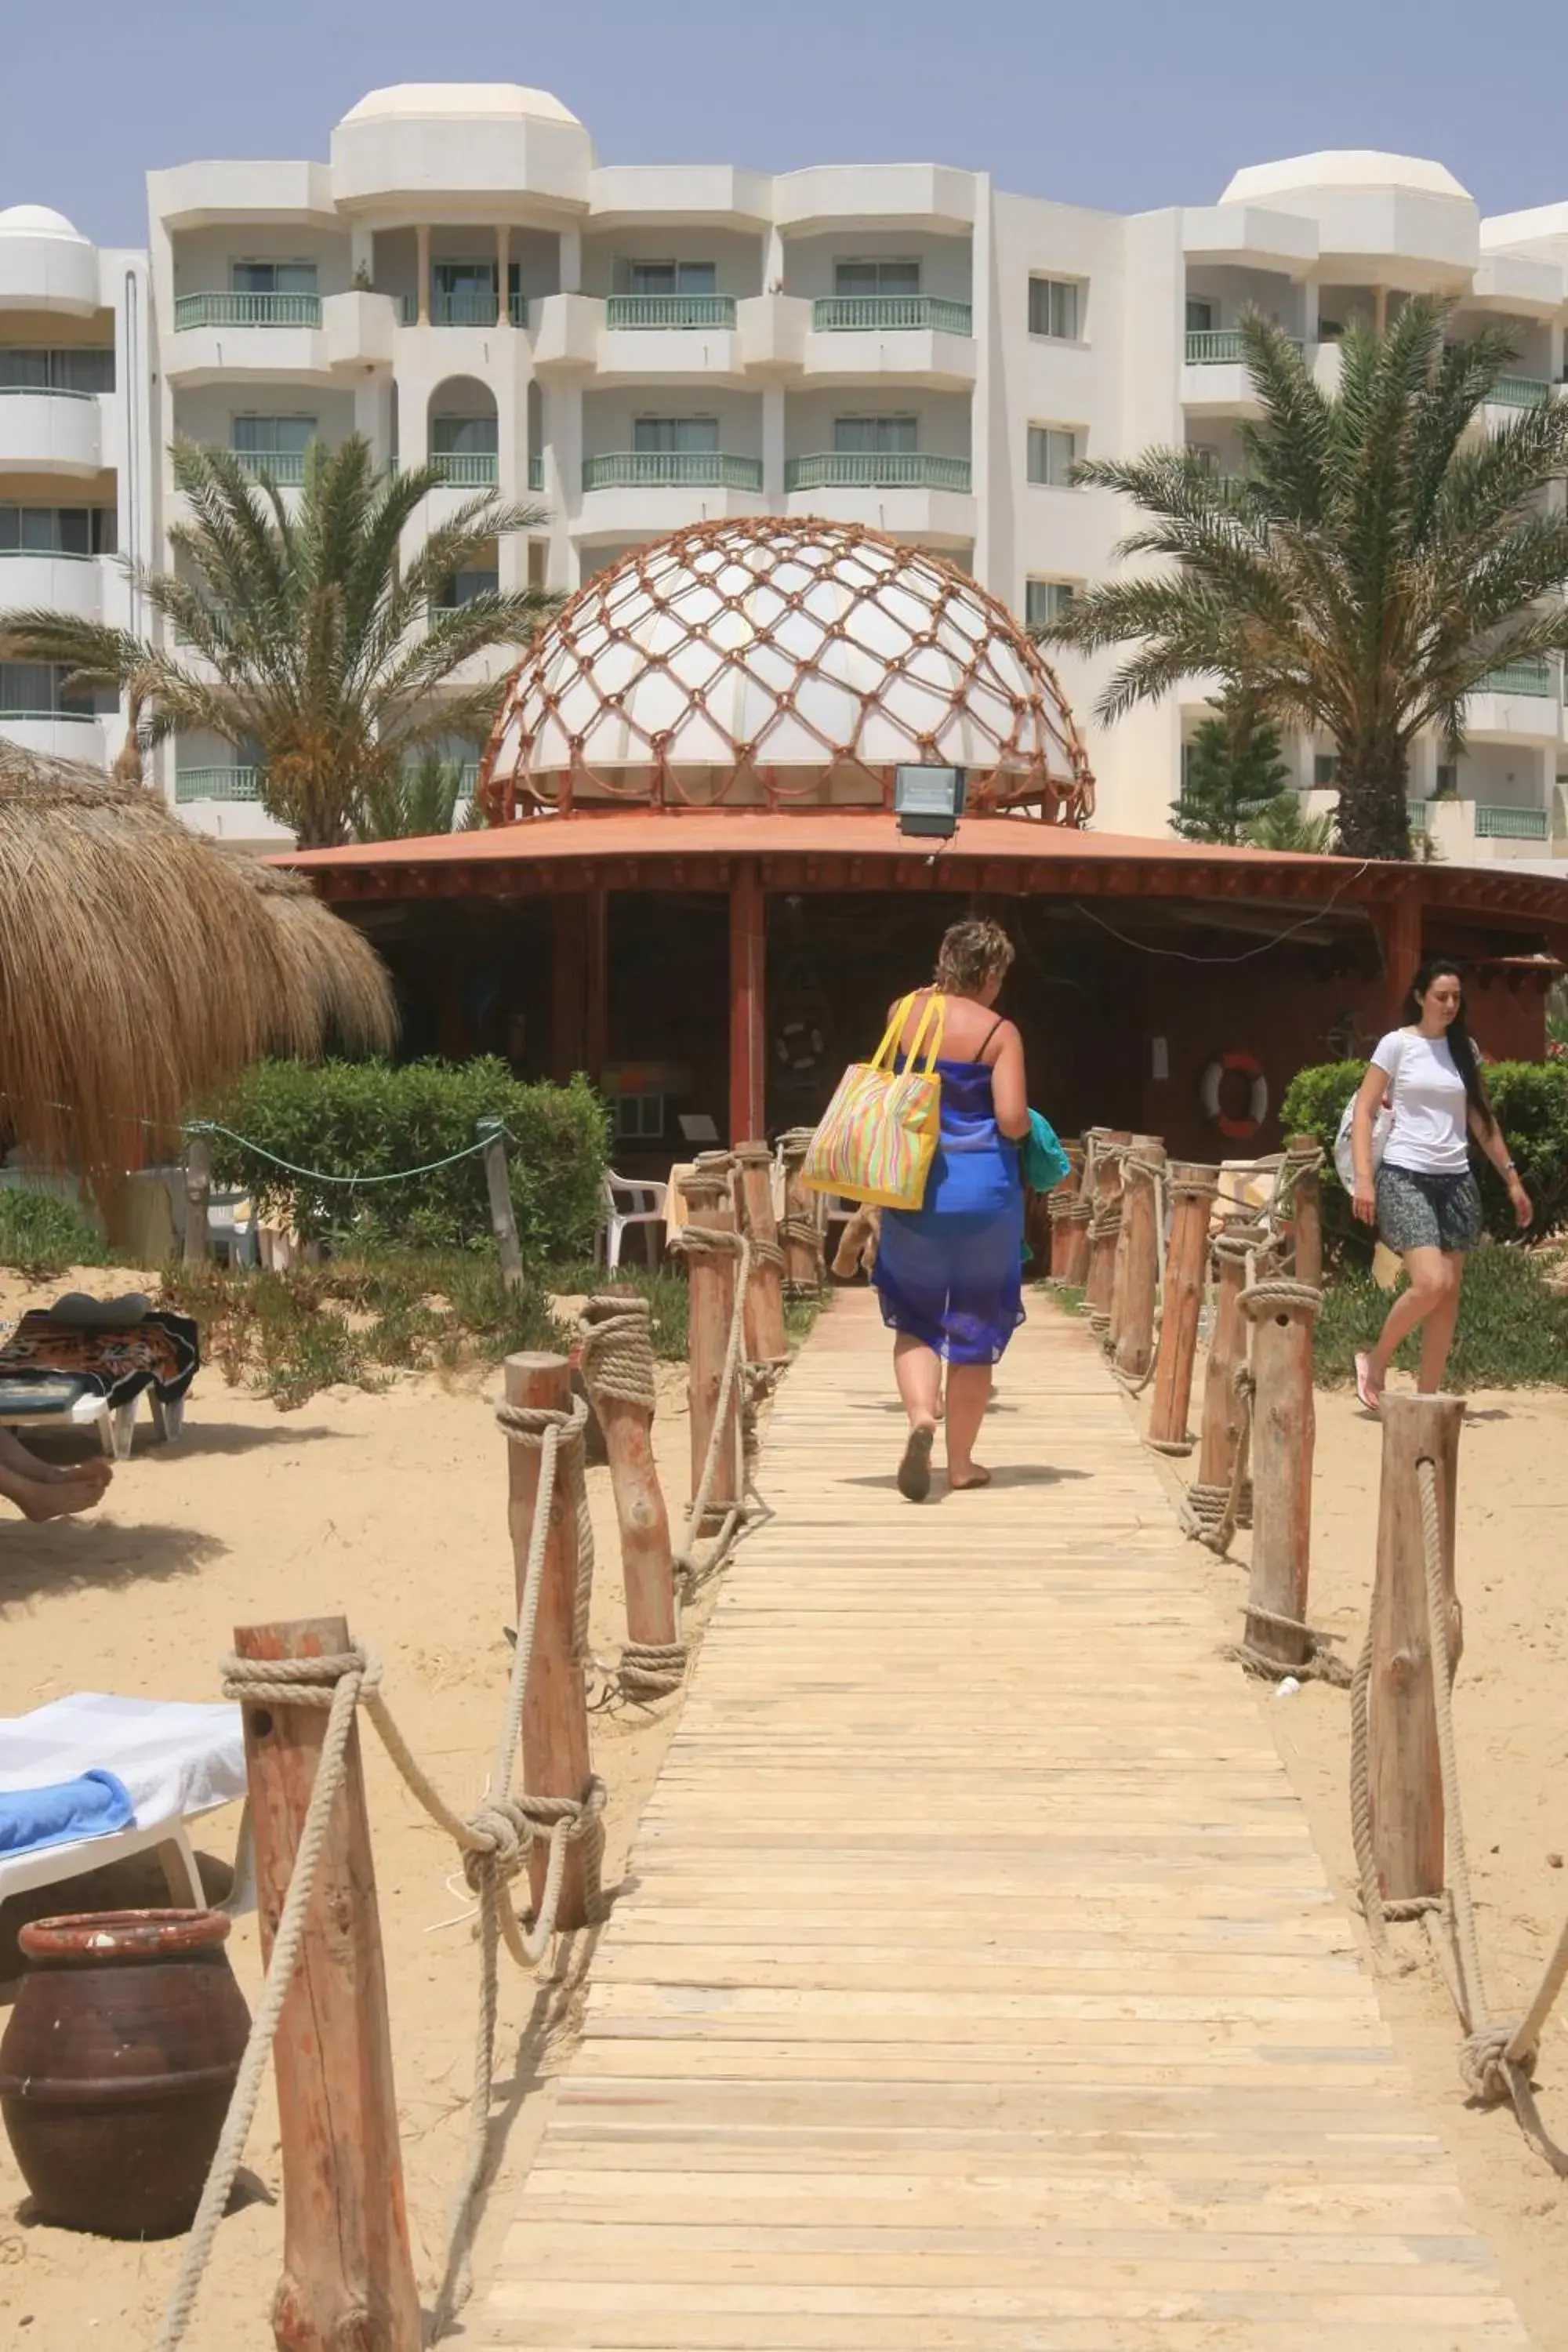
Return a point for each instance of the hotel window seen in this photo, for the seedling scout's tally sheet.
(1325, 770)
(273, 436)
(57, 530)
(875, 437)
(1045, 602)
(462, 587)
(272, 277)
(678, 435)
(1200, 316)
(875, 277)
(463, 436)
(1053, 308)
(666, 277)
(1053, 452)
(37, 690)
(85, 368)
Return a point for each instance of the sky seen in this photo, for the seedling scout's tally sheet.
(1127, 104)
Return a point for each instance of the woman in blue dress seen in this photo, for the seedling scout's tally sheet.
(949, 1273)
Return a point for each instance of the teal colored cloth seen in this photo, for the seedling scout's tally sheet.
(1044, 1163)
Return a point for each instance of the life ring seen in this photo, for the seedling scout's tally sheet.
(1240, 1130)
(799, 1047)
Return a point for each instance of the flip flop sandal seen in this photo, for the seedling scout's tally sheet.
(914, 1470)
(1369, 1396)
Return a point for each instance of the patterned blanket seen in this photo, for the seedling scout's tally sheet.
(160, 1351)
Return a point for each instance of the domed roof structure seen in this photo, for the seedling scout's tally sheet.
(425, 102)
(782, 661)
(38, 220)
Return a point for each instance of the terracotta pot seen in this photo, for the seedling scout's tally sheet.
(117, 2065)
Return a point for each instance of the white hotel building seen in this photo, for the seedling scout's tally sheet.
(636, 347)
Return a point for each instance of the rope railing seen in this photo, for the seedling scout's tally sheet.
(494, 1842)
(321, 1176)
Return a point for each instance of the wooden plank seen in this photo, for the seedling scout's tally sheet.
(1065, 2042)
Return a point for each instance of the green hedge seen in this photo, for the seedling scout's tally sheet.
(1532, 1104)
(374, 1118)
(1513, 1330)
(43, 1234)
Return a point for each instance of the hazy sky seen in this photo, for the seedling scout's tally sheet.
(1124, 103)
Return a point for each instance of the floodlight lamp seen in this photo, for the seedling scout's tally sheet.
(929, 801)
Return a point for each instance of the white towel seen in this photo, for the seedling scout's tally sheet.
(175, 1758)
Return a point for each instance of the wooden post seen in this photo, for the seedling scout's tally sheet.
(766, 1342)
(1307, 1219)
(1141, 1280)
(1399, 924)
(1284, 1427)
(1227, 1352)
(1193, 1191)
(640, 1498)
(1103, 1246)
(503, 1220)
(198, 1199)
(1404, 1777)
(1077, 1207)
(711, 1311)
(555, 1756)
(568, 984)
(347, 2275)
(802, 1231)
(747, 1006)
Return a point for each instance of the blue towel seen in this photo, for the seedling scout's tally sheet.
(1046, 1164)
(92, 1806)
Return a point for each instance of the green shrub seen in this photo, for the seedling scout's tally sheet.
(43, 1234)
(375, 1118)
(1513, 1330)
(1532, 1103)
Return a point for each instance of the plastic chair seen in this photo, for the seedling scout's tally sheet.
(628, 1202)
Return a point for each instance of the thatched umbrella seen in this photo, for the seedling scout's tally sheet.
(335, 989)
(138, 966)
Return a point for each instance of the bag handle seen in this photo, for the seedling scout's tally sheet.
(928, 1034)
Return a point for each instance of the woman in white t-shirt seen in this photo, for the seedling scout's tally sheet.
(1423, 1199)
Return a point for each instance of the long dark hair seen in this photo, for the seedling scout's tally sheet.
(1461, 1045)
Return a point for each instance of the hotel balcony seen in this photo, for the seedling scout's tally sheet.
(917, 338)
(466, 307)
(31, 579)
(638, 493)
(52, 431)
(912, 494)
(1523, 699)
(274, 336)
(227, 782)
(466, 469)
(284, 467)
(1215, 379)
(683, 313)
(1473, 833)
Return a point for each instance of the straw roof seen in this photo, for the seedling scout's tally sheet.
(139, 965)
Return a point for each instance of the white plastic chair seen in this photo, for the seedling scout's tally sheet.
(628, 1202)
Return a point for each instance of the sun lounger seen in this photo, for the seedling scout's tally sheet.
(175, 1760)
(88, 1360)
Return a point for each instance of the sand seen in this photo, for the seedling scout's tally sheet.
(1513, 1737)
(391, 1506)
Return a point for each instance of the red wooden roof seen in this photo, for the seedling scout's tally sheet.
(633, 848)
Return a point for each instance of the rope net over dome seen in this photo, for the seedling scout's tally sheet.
(761, 663)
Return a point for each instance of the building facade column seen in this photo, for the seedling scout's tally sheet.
(773, 449)
(504, 273)
(422, 265)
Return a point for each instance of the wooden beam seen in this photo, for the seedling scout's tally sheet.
(748, 1005)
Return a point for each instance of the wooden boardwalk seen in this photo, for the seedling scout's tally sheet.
(978, 1985)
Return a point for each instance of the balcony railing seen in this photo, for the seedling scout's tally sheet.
(464, 306)
(670, 310)
(536, 472)
(877, 470)
(44, 391)
(48, 554)
(836, 314)
(285, 468)
(1522, 392)
(45, 718)
(1220, 347)
(1416, 812)
(1494, 823)
(672, 469)
(467, 469)
(226, 784)
(1532, 676)
(247, 310)
(468, 780)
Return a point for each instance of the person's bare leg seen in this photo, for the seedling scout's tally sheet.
(1428, 1272)
(918, 1371)
(1437, 1331)
(968, 1394)
(42, 1490)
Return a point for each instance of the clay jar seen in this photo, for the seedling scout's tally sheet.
(117, 2065)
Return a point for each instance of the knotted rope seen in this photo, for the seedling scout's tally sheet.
(494, 1840)
(805, 1233)
(616, 1359)
(1211, 1514)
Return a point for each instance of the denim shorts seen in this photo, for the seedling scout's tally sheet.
(1421, 1212)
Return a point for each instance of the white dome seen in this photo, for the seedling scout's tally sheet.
(427, 101)
(1361, 168)
(38, 220)
(761, 661)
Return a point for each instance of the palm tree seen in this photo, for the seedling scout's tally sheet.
(416, 801)
(1283, 824)
(1378, 559)
(306, 636)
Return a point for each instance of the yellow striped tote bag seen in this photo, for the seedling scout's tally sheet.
(879, 1133)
